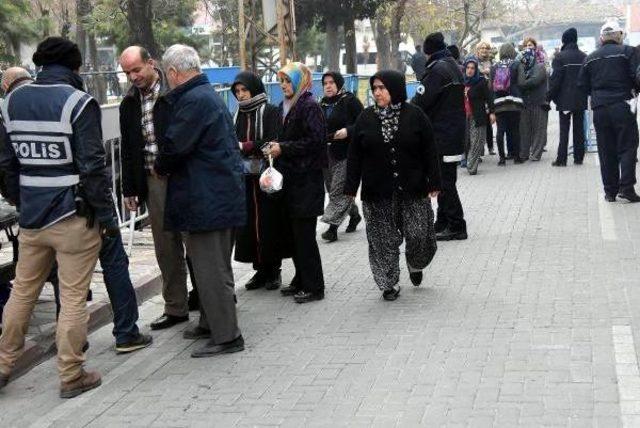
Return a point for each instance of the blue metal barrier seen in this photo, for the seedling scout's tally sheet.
(221, 75)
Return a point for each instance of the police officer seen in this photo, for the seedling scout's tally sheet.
(441, 97)
(56, 174)
(608, 75)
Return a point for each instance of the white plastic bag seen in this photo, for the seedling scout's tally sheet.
(271, 179)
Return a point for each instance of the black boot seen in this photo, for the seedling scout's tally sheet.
(331, 235)
(353, 223)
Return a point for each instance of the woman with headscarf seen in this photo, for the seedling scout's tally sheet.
(484, 54)
(394, 154)
(478, 100)
(301, 154)
(532, 81)
(341, 109)
(261, 241)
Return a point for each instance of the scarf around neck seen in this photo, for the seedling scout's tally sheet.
(253, 103)
(389, 120)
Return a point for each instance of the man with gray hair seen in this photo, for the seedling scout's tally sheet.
(608, 75)
(200, 157)
(14, 77)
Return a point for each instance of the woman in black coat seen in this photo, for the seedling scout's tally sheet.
(478, 100)
(393, 153)
(301, 155)
(261, 241)
(341, 109)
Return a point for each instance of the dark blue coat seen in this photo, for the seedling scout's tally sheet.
(199, 152)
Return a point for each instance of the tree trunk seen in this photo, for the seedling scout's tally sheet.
(139, 15)
(332, 44)
(395, 35)
(351, 61)
(382, 45)
(86, 39)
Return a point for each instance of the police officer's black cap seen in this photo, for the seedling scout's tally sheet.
(58, 50)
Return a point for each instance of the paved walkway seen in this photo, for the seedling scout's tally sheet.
(529, 322)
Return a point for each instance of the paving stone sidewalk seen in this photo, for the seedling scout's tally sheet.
(532, 321)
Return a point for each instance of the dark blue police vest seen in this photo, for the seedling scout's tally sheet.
(39, 121)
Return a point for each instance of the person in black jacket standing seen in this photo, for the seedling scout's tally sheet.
(570, 100)
(608, 75)
(394, 154)
(261, 241)
(341, 109)
(441, 96)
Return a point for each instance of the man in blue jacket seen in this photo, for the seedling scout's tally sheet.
(608, 75)
(205, 192)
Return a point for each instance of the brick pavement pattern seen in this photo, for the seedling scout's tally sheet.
(530, 322)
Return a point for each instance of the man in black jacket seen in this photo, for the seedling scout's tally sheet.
(441, 97)
(608, 75)
(139, 184)
(570, 100)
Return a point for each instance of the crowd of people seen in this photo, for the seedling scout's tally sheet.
(200, 171)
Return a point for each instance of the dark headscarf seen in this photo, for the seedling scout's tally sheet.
(529, 61)
(337, 77)
(390, 116)
(58, 51)
(434, 43)
(256, 89)
(394, 82)
(476, 77)
(570, 36)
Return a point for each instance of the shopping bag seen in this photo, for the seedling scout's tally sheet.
(271, 179)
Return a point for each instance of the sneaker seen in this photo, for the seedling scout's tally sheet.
(353, 223)
(629, 195)
(416, 278)
(86, 382)
(142, 341)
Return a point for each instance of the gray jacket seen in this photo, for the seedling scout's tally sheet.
(534, 87)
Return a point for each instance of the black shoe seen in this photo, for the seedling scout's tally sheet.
(518, 160)
(256, 281)
(509, 157)
(293, 288)
(331, 235)
(610, 198)
(194, 300)
(166, 321)
(502, 162)
(629, 195)
(577, 162)
(274, 283)
(211, 349)
(307, 296)
(353, 223)
(391, 295)
(558, 163)
(142, 341)
(196, 333)
(416, 278)
(450, 235)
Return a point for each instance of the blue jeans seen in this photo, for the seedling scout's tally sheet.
(115, 271)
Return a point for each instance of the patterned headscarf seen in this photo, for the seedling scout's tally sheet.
(529, 60)
(476, 77)
(301, 80)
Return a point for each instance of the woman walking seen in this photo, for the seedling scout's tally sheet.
(485, 62)
(301, 154)
(478, 100)
(532, 81)
(261, 241)
(394, 154)
(341, 109)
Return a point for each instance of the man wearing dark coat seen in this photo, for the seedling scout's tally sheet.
(570, 100)
(200, 157)
(441, 97)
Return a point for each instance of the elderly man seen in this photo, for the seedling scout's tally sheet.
(14, 77)
(608, 75)
(139, 149)
(205, 192)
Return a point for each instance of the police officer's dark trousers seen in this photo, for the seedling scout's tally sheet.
(578, 136)
(450, 213)
(617, 134)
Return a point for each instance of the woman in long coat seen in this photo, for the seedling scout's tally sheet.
(301, 155)
(393, 153)
(262, 241)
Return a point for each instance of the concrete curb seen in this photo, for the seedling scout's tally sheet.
(42, 346)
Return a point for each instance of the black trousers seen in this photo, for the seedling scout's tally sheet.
(450, 213)
(578, 136)
(489, 134)
(306, 255)
(617, 134)
(509, 126)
